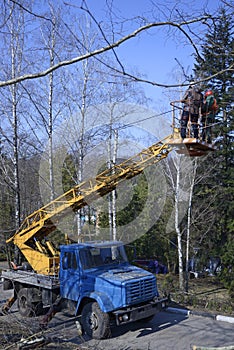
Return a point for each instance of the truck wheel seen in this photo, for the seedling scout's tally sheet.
(95, 322)
(25, 306)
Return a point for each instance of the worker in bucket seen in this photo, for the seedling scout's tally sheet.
(192, 103)
(209, 110)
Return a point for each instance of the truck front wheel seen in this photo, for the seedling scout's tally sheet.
(95, 322)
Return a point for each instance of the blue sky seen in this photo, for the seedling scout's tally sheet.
(154, 53)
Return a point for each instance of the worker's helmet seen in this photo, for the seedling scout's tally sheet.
(208, 93)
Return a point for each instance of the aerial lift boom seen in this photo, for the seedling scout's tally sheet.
(42, 257)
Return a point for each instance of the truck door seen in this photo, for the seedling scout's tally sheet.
(69, 276)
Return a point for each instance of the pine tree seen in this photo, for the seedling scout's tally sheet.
(217, 57)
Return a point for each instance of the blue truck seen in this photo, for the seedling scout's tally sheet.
(96, 281)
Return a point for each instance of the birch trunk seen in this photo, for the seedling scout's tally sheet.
(110, 197)
(50, 110)
(111, 162)
(16, 171)
(16, 58)
(81, 144)
(189, 213)
(114, 192)
(50, 133)
(177, 228)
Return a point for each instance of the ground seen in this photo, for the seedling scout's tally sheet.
(205, 294)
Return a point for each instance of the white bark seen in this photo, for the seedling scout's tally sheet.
(177, 227)
(113, 193)
(110, 165)
(16, 27)
(50, 119)
(178, 173)
(81, 141)
(193, 175)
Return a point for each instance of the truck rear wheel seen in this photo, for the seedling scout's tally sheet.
(26, 306)
(95, 322)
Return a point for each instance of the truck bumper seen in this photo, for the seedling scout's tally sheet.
(139, 312)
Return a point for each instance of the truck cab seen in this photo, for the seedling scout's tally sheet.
(104, 287)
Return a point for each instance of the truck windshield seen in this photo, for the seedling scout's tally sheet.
(91, 257)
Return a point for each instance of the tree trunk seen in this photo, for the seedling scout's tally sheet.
(189, 213)
(110, 196)
(177, 228)
(111, 163)
(114, 192)
(16, 55)
(81, 143)
(16, 171)
(50, 132)
(50, 121)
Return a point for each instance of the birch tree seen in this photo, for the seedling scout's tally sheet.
(178, 172)
(53, 104)
(15, 39)
(51, 50)
(87, 82)
(189, 219)
(177, 189)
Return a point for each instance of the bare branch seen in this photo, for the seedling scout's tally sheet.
(102, 32)
(30, 12)
(140, 80)
(102, 50)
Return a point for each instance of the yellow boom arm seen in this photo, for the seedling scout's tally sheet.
(45, 259)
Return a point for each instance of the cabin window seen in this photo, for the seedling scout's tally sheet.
(69, 261)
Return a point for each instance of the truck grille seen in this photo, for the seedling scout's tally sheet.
(140, 290)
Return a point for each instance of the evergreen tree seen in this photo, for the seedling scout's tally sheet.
(217, 59)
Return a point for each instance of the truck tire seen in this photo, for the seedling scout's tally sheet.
(26, 306)
(95, 323)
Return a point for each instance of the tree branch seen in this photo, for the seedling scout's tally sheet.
(30, 12)
(140, 80)
(102, 50)
(102, 32)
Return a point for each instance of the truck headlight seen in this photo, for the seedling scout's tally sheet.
(123, 318)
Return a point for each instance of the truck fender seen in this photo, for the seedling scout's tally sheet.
(102, 299)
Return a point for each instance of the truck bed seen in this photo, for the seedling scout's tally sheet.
(31, 278)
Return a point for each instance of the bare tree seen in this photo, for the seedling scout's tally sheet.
(51, 49)
(15, 27)
(178, 172)
(189, 214)
(182, 26)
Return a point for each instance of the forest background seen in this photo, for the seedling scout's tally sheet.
(59, 65)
